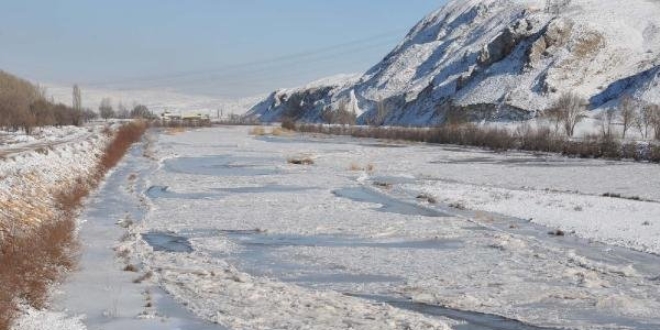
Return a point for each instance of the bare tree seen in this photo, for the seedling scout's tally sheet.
(122, 111)
(569, 110)
(553, 119)
(141, 111)
(105, 109)
(628, 113)
(606, 124)
(77, 106)
(644, 119)
(654, 113)
(77, 98)
(346, 116)
(380, 115)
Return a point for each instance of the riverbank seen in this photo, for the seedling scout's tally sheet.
(41, 192)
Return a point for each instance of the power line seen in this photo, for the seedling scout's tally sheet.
(256, 73)
(285, 58)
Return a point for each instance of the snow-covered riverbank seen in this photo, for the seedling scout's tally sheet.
(49, 163)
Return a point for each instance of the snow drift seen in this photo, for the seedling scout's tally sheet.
(496, 60)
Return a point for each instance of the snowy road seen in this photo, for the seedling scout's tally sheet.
(372, 236)
(17, 143)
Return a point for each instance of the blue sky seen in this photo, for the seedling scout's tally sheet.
(224, 48)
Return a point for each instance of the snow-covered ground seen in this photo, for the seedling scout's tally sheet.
(30, 171)
(243, 239)
(11, 142)
(373, 235)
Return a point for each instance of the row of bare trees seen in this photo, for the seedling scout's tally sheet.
(24, 106)
(342, 115)
(570, 109)
(139, 111)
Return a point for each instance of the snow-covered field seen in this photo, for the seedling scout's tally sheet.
(376, 235)
(157, 100)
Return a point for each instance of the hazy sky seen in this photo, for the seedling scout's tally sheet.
(224, 48)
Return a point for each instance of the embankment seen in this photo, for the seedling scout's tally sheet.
(40, 195)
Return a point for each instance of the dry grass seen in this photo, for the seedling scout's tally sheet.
(39, 256)
(130, 268)
(457, 205)
(279, 131)
(430, 199)
(124, 138)
(258, 131)
(143, 277)
(589, 44)
(357, 167)
(300, 160)
(275, 131)
(33, 261)
(385, 185)
(175, 130)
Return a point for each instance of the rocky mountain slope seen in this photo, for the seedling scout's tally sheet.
(496, 60)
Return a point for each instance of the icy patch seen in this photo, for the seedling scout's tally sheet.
(167, 242)
(221, 294)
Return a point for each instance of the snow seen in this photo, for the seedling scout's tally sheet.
(460, 54)
(311, 243)
(486, 259)
(43, 135)
(618, 221)
(39, 320)
(29, 174)
(157, 100)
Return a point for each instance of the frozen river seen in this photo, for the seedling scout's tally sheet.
(216, 230)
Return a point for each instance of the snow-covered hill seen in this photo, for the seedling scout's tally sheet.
(499, 60)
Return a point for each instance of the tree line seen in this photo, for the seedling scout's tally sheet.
(24, 106)
(106, 111)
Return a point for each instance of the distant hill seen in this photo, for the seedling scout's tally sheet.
(156, 100)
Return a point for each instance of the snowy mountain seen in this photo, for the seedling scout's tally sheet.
(498, 60)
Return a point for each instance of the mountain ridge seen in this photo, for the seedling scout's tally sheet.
(496, 60)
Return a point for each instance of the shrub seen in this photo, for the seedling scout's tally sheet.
(542, 139)
(303, 160)
(130, 268)
(258, 131)
(289, 124)
(654, 153)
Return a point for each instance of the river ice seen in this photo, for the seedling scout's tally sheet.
(434, 237)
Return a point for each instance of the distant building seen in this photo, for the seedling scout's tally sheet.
(168, 116)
